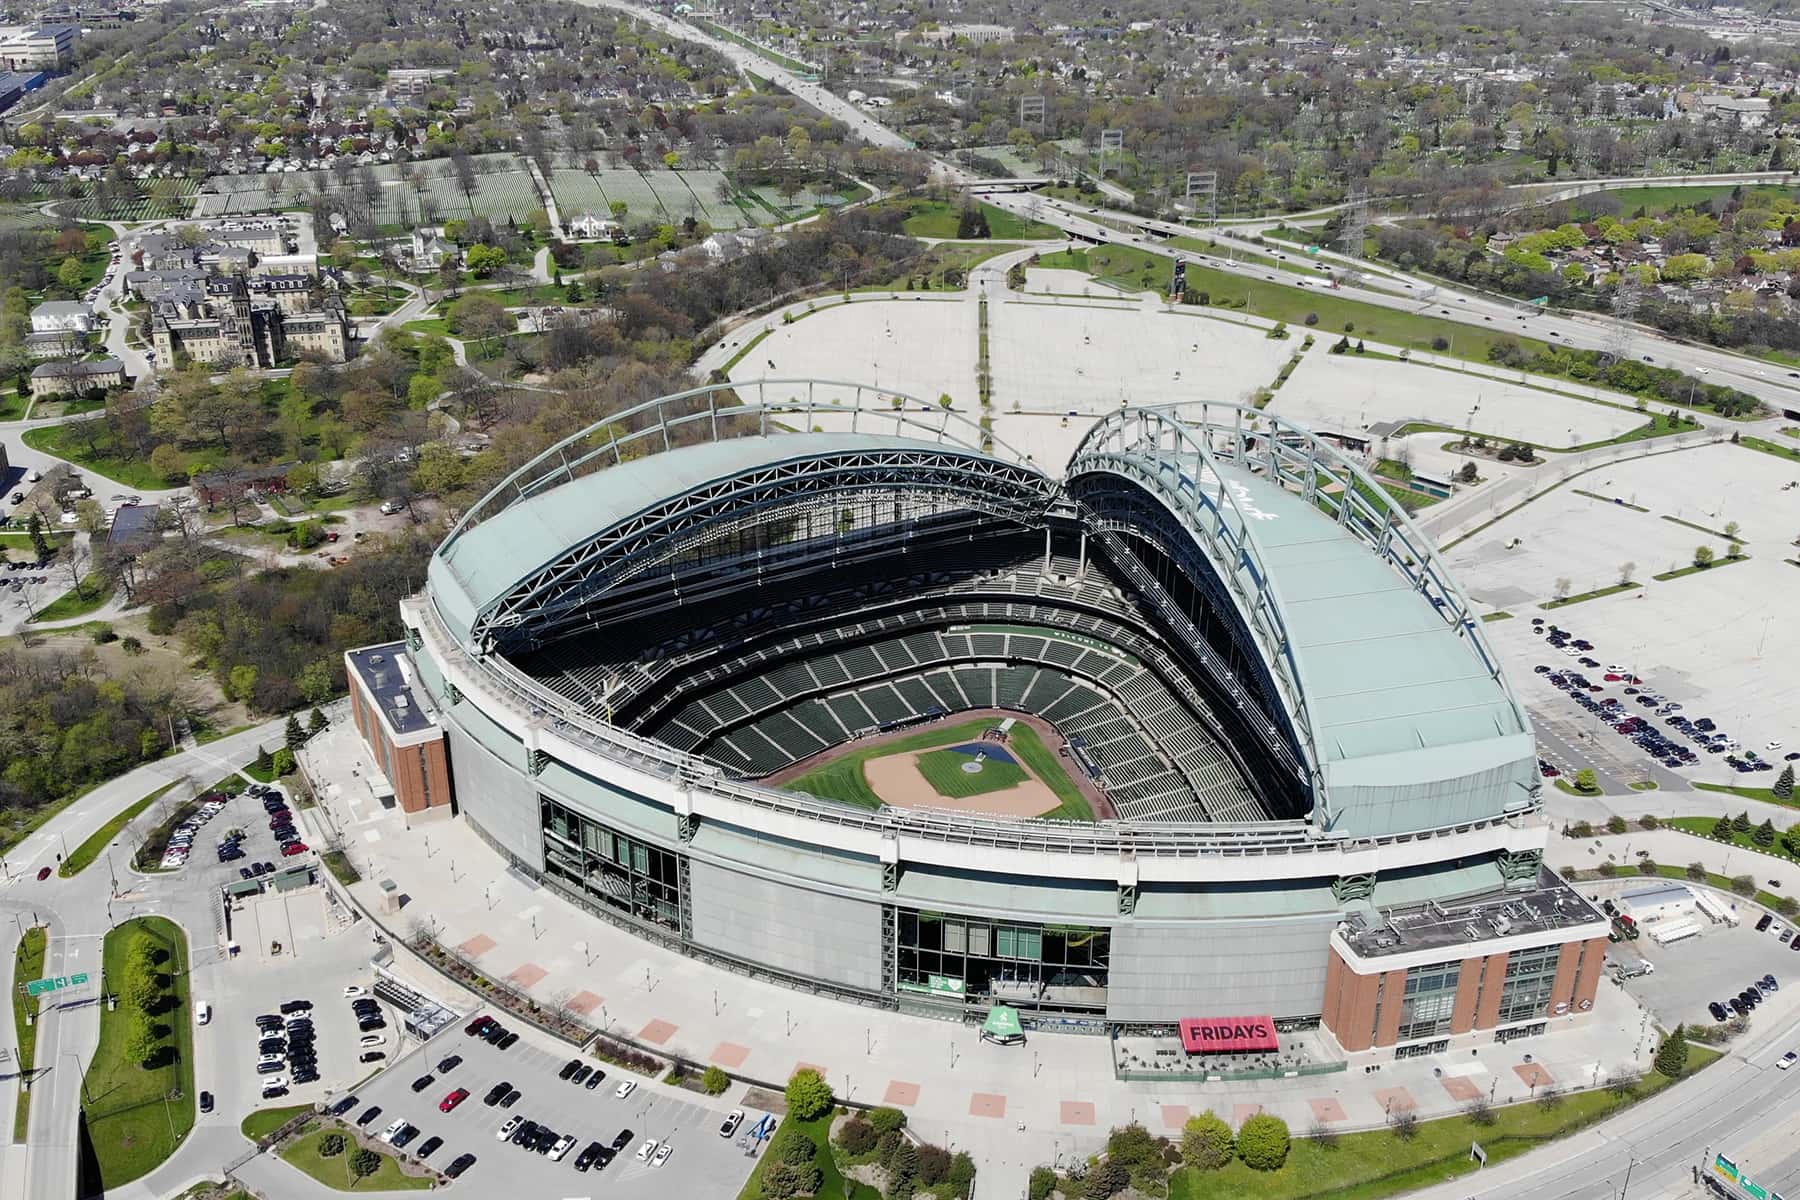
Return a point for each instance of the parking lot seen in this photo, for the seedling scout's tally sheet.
(702, 1163)
(1713, 966)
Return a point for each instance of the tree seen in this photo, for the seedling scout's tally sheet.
(364, 1163)
(1722, 829)
(316, 723)
(856, 1136)
(293, 735)
(1263, 1142)
(39, 543)
(1206, 1142)
(169, 463)
(331, 1145)
(140, 1039)
(808, 1095)
(1743, 885)
(1586, 780)
(1764, 835)
(1741, 822)
(1784, 784)
(70, 274)
(1105, 1178)
(483, 260)
(1615, 824)
(265, 762)
(1626, 570)
(1043, 1184)
(715, 1080)
(1703, 556)
(886, 1120)
(1672, 1055)
(962, 1173)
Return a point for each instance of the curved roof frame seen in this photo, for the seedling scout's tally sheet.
(717, 411)
(555, 593)
(1175, 451)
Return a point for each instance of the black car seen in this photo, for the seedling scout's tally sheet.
(368, 1114)
(545, 1138)
(429, 1146)
(449, 1063)
(588, 1154)
(493, 1033)
(423, 1082)
(511, 1098)
(371, 1025)
(569, 1068)
(343, 1106)
(506, 1042)
(524, 1133)
(581, 1074)
(295, 1006)
(618, 1143)
(459, 1164)
(607, 1154)
(595, 1080)
(1717, 1010)
(404, 1138)
(372, 1056)
(266, 1021)
(1764, 923)
(495, 1093)
(206, 1102)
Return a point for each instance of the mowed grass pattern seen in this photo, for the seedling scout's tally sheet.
(943, 770)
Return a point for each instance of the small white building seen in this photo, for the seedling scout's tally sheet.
(1660, 903)
(62, 316)
(587, 225)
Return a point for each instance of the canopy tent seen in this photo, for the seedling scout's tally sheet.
(1002, 1025)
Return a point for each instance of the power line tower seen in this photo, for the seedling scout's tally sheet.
(1624, 308)
(1355, 227)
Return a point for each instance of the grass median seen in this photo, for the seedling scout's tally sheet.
(264, 1121)
(138, 1093)
(338, 1171)
(83, 856)
(28, 965)
(1379, 1163)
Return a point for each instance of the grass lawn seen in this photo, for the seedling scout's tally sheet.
(1696, 568)
(1132, 269)
(84, 855)
(138, 1116)
(944, 267)
(28, 964)
(264, 1121)
(61, 441)
(431, 325)
(834, 1186)
(1768, 447)
(842, 779)
(334, 1172)
(1747, 840)
(1658, 201)
(1596, 594)
(1364, 1166)
(943, 770)
(938, 219)
(1748, 793)
(91, 595)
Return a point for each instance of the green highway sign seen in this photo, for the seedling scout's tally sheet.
(41, 987)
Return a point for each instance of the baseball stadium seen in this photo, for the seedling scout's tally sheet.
(821, 683)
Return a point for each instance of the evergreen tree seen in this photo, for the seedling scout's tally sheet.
(316, 723)
(39, 543)
(1741, 822)
(1784, 784)
(1672, 1055)
(1722, 829)
(1765, 834)
(294, 736)
(265, 762)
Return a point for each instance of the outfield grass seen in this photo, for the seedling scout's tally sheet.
(1365, 1166)
(28, 965)
(842, 779)
(84, 855)
(943, 770)
(138, 1116)
(334, 1172)
(1024, 742)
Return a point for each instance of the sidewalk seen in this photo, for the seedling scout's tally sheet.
(1011, 1107)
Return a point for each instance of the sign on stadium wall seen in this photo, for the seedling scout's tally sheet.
(1228, 1035)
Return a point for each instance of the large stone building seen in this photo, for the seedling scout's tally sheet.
(261, 322)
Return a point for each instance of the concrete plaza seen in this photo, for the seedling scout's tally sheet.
(1012, 1107)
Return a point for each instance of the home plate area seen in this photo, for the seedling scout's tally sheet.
(973, 777)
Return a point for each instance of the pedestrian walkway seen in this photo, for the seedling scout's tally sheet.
(1012, 1107)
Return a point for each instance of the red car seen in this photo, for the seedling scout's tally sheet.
(453, 1099)
(478, 1026)
(43, 874)
(293, 848)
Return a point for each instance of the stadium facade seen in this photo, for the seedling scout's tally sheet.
(1321, 794)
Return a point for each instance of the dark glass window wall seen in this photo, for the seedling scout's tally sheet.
(1031, 966)
(611, 867)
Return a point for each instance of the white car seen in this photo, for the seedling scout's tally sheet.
(1772, 746)
(507, 1130)
(353, 991)
(562, 1147)
(647, 1149)
(372, 1039)
(1616, 669)
(388, 1134)
(625, 1089)
(733, 1119)
(662, 1155)
(1788, 1060)
(271, 1082)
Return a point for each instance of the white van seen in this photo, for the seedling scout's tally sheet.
(203, 1012)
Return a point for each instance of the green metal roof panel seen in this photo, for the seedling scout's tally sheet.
(484, 563)
(1383, 673)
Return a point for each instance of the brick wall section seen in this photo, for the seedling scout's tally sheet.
(1487, 1013)
(1393, 1001)
(1349, 1010)
(1593, 965)
(1468, 986)
(419, 773)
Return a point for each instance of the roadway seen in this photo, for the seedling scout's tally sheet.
(79, 911)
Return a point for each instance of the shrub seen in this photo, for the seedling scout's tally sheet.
(903, 1172)
(331, 1145)
(962, 1173)
(1263, 1142)
(1105, 1178)
(888, 1146)
(934, 1165)
(715, 1081)
(364, 1162)
(1206, 1142)
(1549, 1098)
(783, 1181)
(1406, 1124)
(1440, 343)
(1312, 318)
(1696, 871)
(1043, 1183)
(1648, 821)
(1743, 885)
(856, 1136)
(797, 1150)
(1479, 1111)
(1623, 1083)
(1615, 824)
(886, 1120)
(808, 1095)
(1607, 870)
